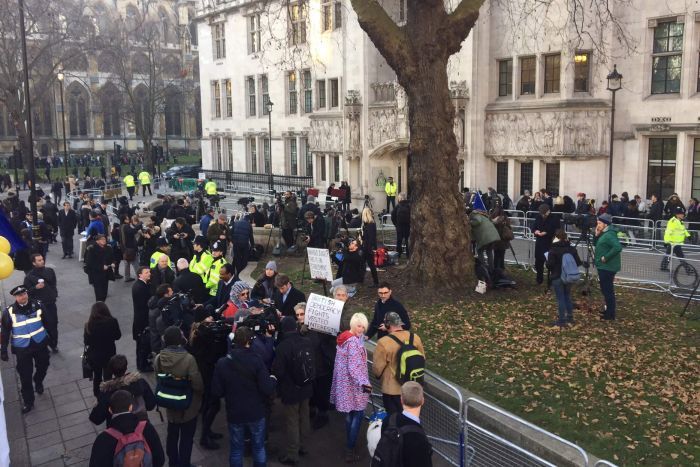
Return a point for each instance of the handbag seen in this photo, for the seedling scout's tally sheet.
(87, 368)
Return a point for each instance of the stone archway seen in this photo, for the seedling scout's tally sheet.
(388, 160)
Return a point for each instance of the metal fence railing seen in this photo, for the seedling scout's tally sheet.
(256, 183)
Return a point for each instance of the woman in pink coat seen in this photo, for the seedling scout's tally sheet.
(350, 389)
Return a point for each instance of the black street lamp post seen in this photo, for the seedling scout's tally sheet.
(61, 77)
(614, 85)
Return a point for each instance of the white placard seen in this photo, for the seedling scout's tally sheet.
(320, 264)
(202, 176)
(323, 314)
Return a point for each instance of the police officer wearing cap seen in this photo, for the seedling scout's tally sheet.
(212, 279)
(202, 258)
(23, 326)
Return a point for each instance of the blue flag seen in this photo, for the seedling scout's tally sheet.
(6, 230)
(478, 203)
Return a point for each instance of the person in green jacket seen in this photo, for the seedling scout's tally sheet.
(485, 234)
(607, 261)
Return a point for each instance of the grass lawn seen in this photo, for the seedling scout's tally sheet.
(627, 391)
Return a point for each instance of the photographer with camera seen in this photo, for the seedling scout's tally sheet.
(314, 230)
(180, 236)
(288, 211)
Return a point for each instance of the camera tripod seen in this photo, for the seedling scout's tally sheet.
(590, 255)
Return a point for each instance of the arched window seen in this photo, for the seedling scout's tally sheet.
(78, 102)
(164, 26)
(132, 17)
(143, 114)
(101, 18)
(173, 112)
(42, 118)
(111, 103)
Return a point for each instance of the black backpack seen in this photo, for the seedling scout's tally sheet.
(303, 362)
(410, 361)
(389, 451)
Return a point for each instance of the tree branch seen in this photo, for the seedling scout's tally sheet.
(386, 35)
(460, 23)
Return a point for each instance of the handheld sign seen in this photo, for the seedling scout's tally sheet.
(320, 264)
(323, 314)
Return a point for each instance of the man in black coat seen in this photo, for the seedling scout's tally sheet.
(99, 258)
(41, 284)
(401, 218)
(124, 422)
(315, 229)
(545, 226)
(189, 282)
(384, 305)
(294, 392)
(226, 281)
(67, 222)
(140, 293)
(417, 451)
(656, 211)
(286, 296)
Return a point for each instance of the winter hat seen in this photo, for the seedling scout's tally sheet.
(392, 319)
(271, 265)
(173, 336)
(311, 199)
(605, 219)
(288, 324)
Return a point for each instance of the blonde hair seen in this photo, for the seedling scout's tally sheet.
(367, 216)
(359, 318)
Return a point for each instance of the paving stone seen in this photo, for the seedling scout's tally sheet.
(80, 456)
(80, 441)
(63, 388)
(19, 453)
(70, 407)
(54, 463)
(42, 428)
(38, 416)
(47, 439)
(73, 419)
(77, 430)
(66, 398)
(14, 420)
(49, 453)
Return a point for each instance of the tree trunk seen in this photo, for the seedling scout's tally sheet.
(440, 235)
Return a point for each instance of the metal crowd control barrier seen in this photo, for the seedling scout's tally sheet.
(441, 415)
(604, 463)
(484, 447)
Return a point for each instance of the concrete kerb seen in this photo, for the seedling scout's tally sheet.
(504, 425)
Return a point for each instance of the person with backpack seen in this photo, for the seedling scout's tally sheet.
(403, 440)
(563, 262)
(128, 442)
(144, 399)
(179, 389)
(242, 378)
(351, 389)
(294, 368)
(398, 357)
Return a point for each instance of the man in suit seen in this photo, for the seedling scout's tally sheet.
(189, 282)
(226, 280)
(286, 296)
(417, 451)
(67, 222)
(140, 294)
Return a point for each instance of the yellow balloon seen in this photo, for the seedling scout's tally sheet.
(4, 246)
(7, 266)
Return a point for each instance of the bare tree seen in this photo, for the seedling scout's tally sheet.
(51, 28)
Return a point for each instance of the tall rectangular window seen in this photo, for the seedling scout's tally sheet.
(525, 177)
(292, 91)
(337, 14)
(505, 77)
(308, 159)
(502, 177)
(661, 168)
(581, 71)
(331, 15)
(667, 58)
(265, 91)
(335, 92)
(216, 99)
(219, 41)
(335, 160)
(267, 156)
(229, 153)
(229, 98)
(698, 85)
(293, 157)
(216, 152)
(321, 93)
(250, 90)
(552, 73)
(527, 75)
(322, 167)
(308, 92)
(402, 11)
(552, 178)
(253, 34)
(253, 155)
(696, 169)
(297, 24)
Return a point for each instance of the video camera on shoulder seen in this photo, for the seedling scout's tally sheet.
(262, 322)
(582, 221)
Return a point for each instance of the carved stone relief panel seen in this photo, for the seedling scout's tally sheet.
(326, 135)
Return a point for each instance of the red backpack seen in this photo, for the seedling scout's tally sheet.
(132, 449)
(380, 257)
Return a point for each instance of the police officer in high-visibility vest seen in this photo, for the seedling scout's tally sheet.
(212, 194)
(130, 184)
(145, 181)
(390, 189)
(202, 259)
(674, 236)
(163, 248)
(23, 327)
(212, 280)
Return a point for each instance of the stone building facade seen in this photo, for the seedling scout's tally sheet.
(532, 108)
(94, 107)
